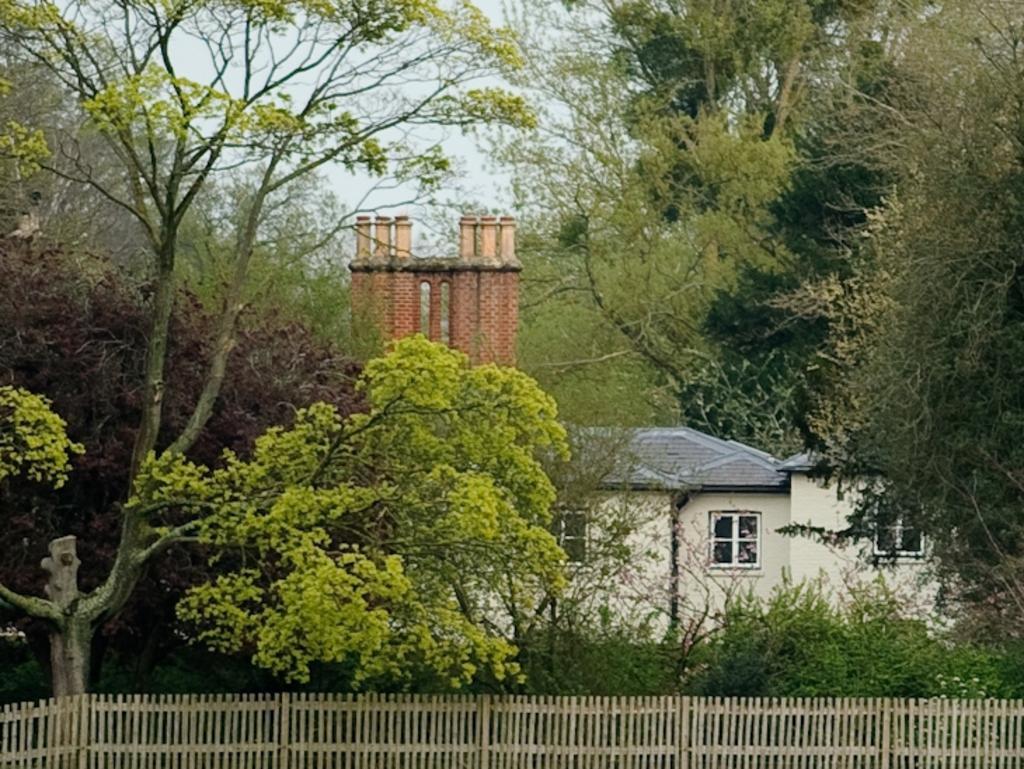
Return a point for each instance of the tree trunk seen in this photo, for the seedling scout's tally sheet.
(71, 636)
(69, 656)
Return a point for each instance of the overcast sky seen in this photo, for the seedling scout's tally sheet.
(478, 181)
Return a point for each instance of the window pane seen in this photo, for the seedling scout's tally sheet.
(425, 309)
(722, 526)
(747, 553)
(722, 552)
(574, 525)
(748, 526)
(911, 541)
(445, 313)
(575, 548)
(886, 539)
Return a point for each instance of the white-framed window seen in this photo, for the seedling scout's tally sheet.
(572, 534)
(900, 540)
(736, 539)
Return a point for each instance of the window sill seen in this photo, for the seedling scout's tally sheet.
(902, 559)
(723, 568)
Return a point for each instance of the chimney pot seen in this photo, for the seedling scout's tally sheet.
(362, 237)
(382, 236)
(508, 240)
(467, 237)
(488, 239)
(403, 237)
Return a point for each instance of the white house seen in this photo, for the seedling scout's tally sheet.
(710, 515)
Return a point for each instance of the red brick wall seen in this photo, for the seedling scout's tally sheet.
(483, 307)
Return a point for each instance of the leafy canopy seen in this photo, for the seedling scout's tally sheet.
(689, 176)
(265, 77)
(33, 441)
(927, 335)
(383, 539)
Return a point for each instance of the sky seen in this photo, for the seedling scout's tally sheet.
(478, 179)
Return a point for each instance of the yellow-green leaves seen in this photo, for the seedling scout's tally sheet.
(170, 478)
(191, 91)
(161, 103)
(26, 146)
(465, 21)
(274, 91)
(325, 608)
(415, 371)
(494, 105)
(33, 441)
(384, 539)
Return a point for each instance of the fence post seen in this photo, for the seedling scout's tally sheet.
(885, 758)
(483, 726)
(83, 731)
(683, 734)
(284, 709)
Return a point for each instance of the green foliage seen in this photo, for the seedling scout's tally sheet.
(925, 345)
(25, 146)
(628, 248)
(384, 538)
(599, 657)
(33, 441)
(798, 643)
(23, 680)
(151, 101)
(686, 182)
(294, 273)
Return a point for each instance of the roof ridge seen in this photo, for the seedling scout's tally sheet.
(755, 450)
(741, 456)
(680, 456)
(715, 442)
(707, 439)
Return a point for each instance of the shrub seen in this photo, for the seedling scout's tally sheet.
(799, 643)
(21, 679)
(600, 658)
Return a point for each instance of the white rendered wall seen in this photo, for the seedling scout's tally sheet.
(638, 589)
(642, 587)
(828, 506)
(813, 503)
(702, 583)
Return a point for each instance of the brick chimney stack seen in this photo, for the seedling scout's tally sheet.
(470, 301)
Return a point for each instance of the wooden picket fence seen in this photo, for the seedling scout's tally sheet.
(297, 731)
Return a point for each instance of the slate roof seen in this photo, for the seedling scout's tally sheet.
(680, 458)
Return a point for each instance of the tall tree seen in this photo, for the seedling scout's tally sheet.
(382, 539)
(926, 400)
(686, 177)
(74, 329)
(184, 92)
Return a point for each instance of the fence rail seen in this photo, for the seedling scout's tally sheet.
(295, 731)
